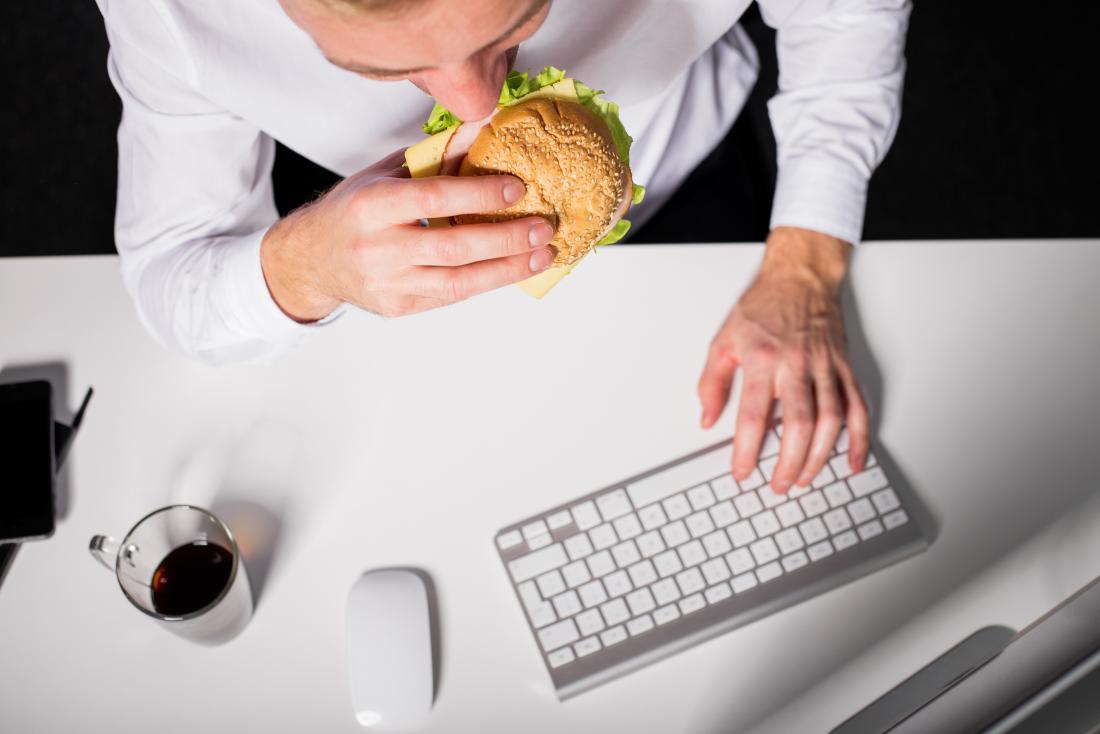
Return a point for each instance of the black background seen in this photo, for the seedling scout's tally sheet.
(998, 134)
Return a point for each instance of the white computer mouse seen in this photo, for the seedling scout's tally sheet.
(390, 650)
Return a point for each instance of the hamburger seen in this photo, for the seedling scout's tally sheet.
(568, 146)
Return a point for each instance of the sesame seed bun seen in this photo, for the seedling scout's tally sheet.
(567, 158)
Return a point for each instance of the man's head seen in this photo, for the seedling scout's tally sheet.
(457, 52)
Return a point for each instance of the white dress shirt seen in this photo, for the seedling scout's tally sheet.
(208, 85)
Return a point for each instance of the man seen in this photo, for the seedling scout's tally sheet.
(208, 84)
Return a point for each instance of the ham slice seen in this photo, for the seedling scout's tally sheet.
(459, 145)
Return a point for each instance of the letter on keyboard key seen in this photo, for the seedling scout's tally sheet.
(724, 487)
(747, 504)
(765, 523)
(692, 603)
(885, 501)
(509, 539)
(744, 582)
(585, 515)
(699, 524)
(666, 614)
(764, 550)
(602, 536)
(613, 636)
(640, 625)
(613, 504)
(845, 540)
(837, 520)
(665, 591)
(640, 601)
(551, 584)
(537, 563)
(587, 646)
(789, 514)
(717, 593)
(559, 520)
(556, 635)
(741, 533)
(652, 517)
(667, 563)
(895, 519)
(700, 497)
(615, 611)
(542, 614)
(589, 622)
(676, 507)
(814, 504)
(625, 554)
(628, 526)
(861, 511)
(690, 581)
(692, 553)
(688, 473)
(576, 573)
(650, 544)
(601, 564)
(717, 544)
(838, 494)
(867, 482)
(795, 561)
(642, 573)
(769, 571)
(820, 550)
(561, 657)
(870, 530)
(617, 583)
(592, 594)
(578, 546)
(715, 570)
(723, 514)
(788, 540)
(740, 561)
(675, 533)
(813, 530)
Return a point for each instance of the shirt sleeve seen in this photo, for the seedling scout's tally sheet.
(194, 202)
(841, 66)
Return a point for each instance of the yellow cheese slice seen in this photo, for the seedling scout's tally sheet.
(565, 89)
(539, 285)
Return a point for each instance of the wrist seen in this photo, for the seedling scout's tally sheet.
(803, 254)
(290, 269)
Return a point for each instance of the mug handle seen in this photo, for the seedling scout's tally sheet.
(104, 548)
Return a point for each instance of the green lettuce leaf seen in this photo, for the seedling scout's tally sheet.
(609, 111)
(439, 120)
(518, 84)
(617, 233)
(639, 194)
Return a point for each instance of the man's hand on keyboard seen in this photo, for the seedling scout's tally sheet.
(787, 336)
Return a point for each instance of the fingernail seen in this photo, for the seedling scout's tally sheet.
(781, 486)
(540, 260)
(513, 191)
(541, 233)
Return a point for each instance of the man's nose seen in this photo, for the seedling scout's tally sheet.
(470, 90)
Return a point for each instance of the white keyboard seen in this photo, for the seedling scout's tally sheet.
(679, 554)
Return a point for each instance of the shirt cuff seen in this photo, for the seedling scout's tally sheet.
(824, 195)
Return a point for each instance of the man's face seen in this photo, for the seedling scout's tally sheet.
(458, 51)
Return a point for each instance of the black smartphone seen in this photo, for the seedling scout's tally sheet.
(26, 461)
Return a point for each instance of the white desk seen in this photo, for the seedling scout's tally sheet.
(411, 441)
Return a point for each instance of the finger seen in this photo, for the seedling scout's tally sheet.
(467, 243)
(859, 424)
(829, 419)
(397, 201)
(715, 383)
(752, 421)
(391, 165)
(451, 284)
(796, 394)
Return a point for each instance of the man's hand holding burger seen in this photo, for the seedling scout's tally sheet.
(361, 243)
(786, 334)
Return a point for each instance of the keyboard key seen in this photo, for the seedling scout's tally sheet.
(700, 497)
(585, 515)
(764, 551)
(675, 533)
(699, 524)
(885, 501)
(724, 487)
(567, 604)
(603, 536)
(628, 526)
(795, 492)
(537, 563)
(535, 529)
(845, 540)
(867, 482)
(839, 466)
(685, 474)
(861, 511)
(642, 573)
(837, 520)
(667, 563)
(820, 550)
(509, 539)
(813, 530)
(770, 445)
(741, 533)
(692, 554)
(769, 497)
(560, 657)
(789, 514)
(539, 541)
(871, 461)
(740, 561)
(666, 614)
(690, 581)
(529, 593)
(715, 570)
(788, 540)
(578, 546)
(814, 504)
(640, 625)
(744, 582)
(765, 523)
(613, 636)
(676, 507)
(650, 544)
(640, 601)
(542, 614)
(665, 591)
(556, 635)
(613, 504)
(895, 519)
(617, 584)
(575, 574)
(559, 520)
(870, 530)
(625, 554)
(723, 514)
(587, 646)
(615, 611)
(747, 504)
(767, 467)
(717, 593)
(717, 544)
(652, 517)
(592, 594)
(841, 441)
(692, 603)
(793, 562)
(755, 480)
(838, 494)
(769, 571)
(601, 564)
(824, 478)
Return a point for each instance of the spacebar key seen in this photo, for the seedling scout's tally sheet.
(680, 477)
(537, 563)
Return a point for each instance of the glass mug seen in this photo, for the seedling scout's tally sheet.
(181, 566)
